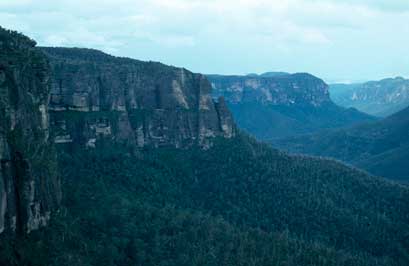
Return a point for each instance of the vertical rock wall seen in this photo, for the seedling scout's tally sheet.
(29, 183)
(95, 96)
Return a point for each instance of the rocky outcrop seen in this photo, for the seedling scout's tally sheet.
(272, 89)
(380, 98)
(29, 183)
(57, 96)
(277, 105)
(96, 97)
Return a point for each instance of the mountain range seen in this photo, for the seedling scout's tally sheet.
(278, 105)
(379, 98)
(381, 147)
(115, 161)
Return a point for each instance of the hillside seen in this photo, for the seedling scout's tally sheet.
(381, 147)
(256, 205)
(278, 105)
(379, 98)
(154, 172)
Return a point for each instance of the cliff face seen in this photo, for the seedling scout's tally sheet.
(278, 105)
(379, 98)
(280, 89)
(29, 183)
(96, 97)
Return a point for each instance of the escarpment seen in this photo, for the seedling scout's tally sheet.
(96, 97)
(82, 97)
(285, 89)
(279, 105)
(29, 183)
(379, 98)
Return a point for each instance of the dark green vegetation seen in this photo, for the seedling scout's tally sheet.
(379, 98)
(274, 122)
(221, 199)
(382, 147)
(29, 184)
(238, 203)
(278, 105)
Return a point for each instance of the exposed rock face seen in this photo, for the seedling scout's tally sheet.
(277, 105)
(29, 183)
(96, 97)
(268, 89)
(379, 98)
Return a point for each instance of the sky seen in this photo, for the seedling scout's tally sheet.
(339, 41)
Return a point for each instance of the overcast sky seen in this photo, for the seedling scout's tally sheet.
(337, 40)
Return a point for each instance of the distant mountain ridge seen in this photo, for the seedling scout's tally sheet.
(276, 89)
(378, 98)
(154, 173)
(278, 104)
(274, 74)
(380, 147)
(268, 74)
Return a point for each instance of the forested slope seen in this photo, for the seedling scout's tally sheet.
(238, 203)
(381, 148)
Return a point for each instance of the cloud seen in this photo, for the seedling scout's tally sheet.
(240, 35)
(178, 20)
(384, 5)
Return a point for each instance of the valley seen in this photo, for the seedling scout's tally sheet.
(114, 161)
(271, 107)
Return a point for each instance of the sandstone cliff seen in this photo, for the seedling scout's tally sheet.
(96, 97)
(379, 98)
(278, 105)
(29, 183)
(267, 89)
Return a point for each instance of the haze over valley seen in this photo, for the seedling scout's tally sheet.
(112, 155)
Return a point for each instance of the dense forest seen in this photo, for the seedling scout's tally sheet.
(273, 105)
(381, 147)
(184, 187)
(237, 203)
(272, 123)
